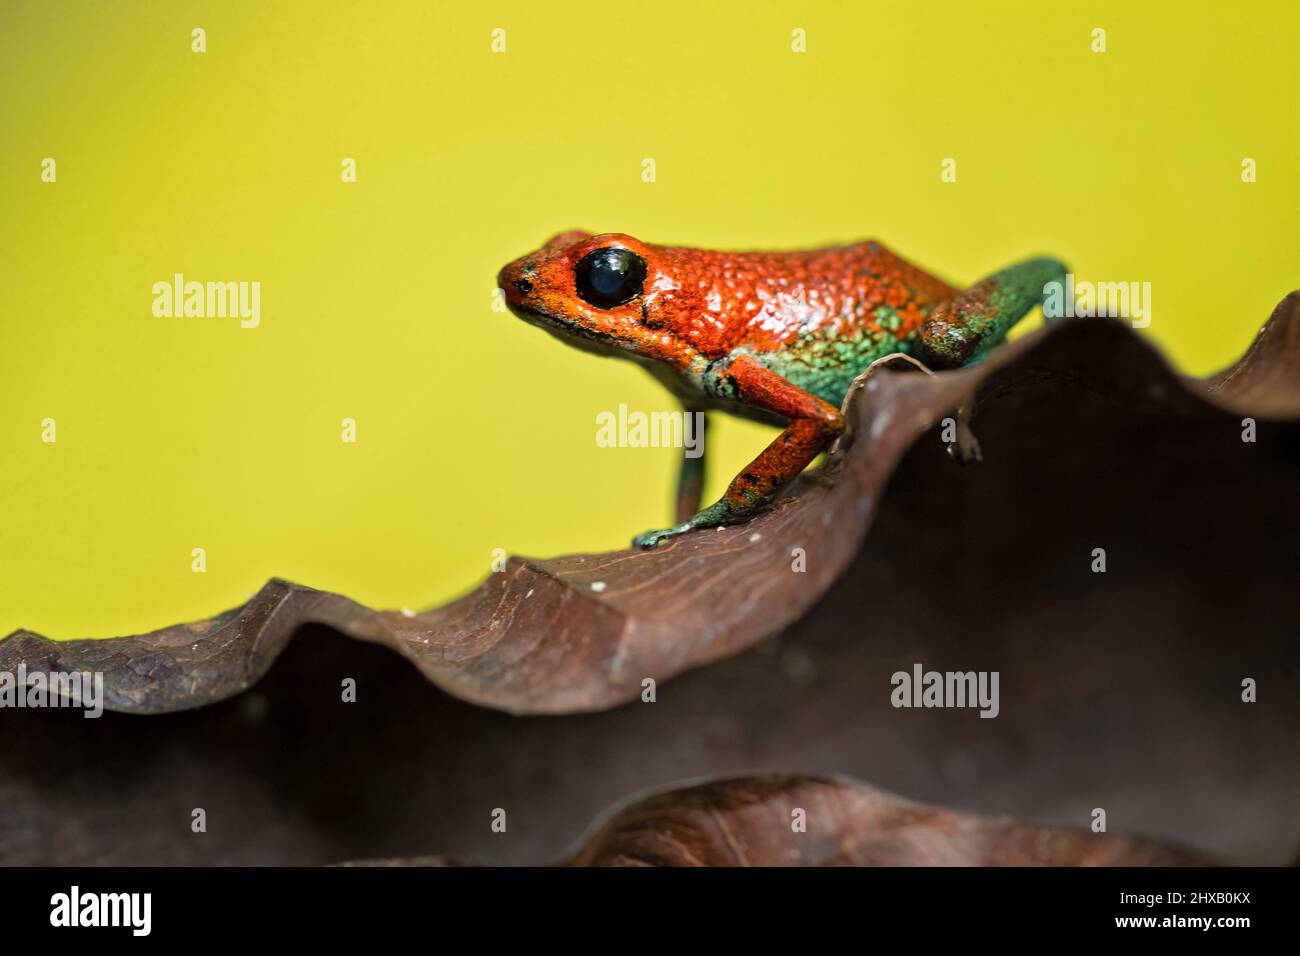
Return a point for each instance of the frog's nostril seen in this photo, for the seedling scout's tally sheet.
(524, 286)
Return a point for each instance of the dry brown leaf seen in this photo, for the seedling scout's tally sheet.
(582, 632)
(1119, 690)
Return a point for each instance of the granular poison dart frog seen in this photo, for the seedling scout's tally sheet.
(774, 336)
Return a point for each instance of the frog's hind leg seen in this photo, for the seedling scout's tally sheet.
(963, 330)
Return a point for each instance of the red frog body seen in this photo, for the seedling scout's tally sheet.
(774, 336)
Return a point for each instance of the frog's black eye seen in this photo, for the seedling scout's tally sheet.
(609, 277)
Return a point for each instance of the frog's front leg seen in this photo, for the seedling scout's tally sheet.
(814, 424)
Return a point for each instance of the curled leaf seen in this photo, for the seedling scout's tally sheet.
(808, 821)
(583, 632)
(1159, 688)
(775, 820)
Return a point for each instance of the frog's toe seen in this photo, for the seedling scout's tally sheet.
(650, 539)
(966, 449)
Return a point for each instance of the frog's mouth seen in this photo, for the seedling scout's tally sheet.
(571, 333)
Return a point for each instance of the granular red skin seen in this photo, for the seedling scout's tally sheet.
(768, 301)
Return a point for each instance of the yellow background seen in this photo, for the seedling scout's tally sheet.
(475, 431)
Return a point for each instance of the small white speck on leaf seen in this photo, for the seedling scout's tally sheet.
(598, 586)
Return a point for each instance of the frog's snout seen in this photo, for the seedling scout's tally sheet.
(516, 282)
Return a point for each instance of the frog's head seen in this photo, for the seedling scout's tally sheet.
(594, 291)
